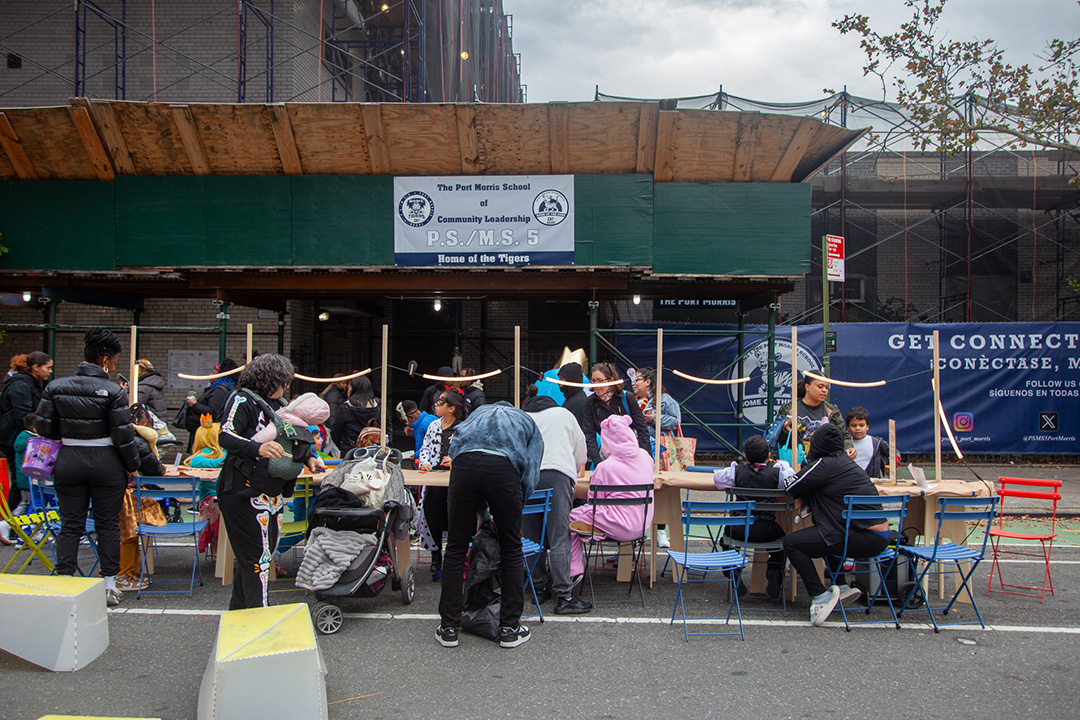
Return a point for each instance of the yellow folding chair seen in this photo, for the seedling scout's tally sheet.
(28, 527)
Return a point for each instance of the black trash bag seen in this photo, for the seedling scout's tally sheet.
(483, 597)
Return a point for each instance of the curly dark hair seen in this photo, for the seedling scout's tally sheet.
(266, 374)
(756, 449)
(99, 343)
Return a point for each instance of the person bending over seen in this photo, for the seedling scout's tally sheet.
(829, 475)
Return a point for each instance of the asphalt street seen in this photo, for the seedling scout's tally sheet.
(620, 661)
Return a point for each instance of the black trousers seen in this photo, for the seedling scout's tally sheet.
(803, 546)
(762, 530)
(86, 475)
(477, 478)
(253, 524)
(435, 514)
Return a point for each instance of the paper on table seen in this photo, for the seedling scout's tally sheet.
(919, 477)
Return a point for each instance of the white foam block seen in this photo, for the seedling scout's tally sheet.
(59, 623)
(266, 664)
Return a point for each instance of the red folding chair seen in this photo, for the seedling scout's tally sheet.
(1047, 490)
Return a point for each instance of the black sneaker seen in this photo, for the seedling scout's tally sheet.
(572, 606)
(511, 637)
(774, 582)
(447, 636)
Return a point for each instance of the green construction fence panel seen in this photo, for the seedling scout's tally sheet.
(343, 220)
(613, 218)
(204, 221)
(732, 228)
(57, 225)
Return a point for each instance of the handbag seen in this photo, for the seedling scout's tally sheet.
(179, 420)
(39, 461)
(678, 453)
(367, 480)
(161, 427)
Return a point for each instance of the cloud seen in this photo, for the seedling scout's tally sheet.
(774, 50)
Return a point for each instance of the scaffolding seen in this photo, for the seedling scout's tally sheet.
(972, 218)
(316, 50)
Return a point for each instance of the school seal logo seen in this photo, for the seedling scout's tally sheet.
(550, 207)
(756, 391)
(416, 209)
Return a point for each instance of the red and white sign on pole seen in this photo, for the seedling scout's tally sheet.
(835, 257)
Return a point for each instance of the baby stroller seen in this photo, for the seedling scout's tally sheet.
(375, 560)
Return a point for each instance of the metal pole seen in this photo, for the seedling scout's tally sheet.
(770, 401)
(593, 307)
(281, 333)
(223, 329)
(825, 300)
(741, 386)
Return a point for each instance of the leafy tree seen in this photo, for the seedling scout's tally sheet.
(957, 91)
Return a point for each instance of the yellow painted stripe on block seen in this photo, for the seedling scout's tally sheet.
(264, 631)
(51, 585)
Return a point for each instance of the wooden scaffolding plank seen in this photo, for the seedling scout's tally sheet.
(558, 134)
(648, 116)
(286, 142)
(330, 138)
(705, 146)
(746, 145)
(189, 136)
(95, 150)
(601, 137)
(422, 138)
(513, 139)
(795, 150)
(666, 128)
(49, 138)
(152, 139)
(375, 138)
(238, 138)
(20, 161)
(101, 112)
(467, 143)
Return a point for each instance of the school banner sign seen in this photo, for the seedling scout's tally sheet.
(475, 221)
(1005, 387)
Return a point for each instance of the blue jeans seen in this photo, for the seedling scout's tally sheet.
(557, 550)
(477, 478)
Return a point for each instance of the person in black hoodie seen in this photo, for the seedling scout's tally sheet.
(212, 400)
(432, 392)
(89, 412)
(360, 411)
(829, 475)
(574, 396)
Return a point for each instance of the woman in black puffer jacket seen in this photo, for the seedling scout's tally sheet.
(89, 412)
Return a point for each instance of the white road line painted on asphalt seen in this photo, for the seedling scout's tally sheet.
(434, 617)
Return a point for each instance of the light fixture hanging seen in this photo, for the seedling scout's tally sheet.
(637, 299)
(26, 296)
(438, 303)
(324, 316)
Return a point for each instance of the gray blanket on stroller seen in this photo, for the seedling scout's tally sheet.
(328, 554)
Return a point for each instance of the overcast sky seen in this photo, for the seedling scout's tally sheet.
(773, 50)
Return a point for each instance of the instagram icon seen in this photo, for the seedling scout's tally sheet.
(963, 422)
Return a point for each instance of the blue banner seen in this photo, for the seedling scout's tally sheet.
(1005, 387)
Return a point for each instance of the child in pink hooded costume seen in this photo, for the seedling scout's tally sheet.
(625, 463)
(308, 409)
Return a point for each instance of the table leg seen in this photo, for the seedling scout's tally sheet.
(626, 563)
(757, 572)
(668, 511)
(225, 557)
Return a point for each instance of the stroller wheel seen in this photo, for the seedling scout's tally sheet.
(408, 585)
(327, 618)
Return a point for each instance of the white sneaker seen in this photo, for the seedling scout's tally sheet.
(662, 539)
(848, 593)
(819, 611)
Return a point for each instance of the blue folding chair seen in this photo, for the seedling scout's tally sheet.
(944, 553)
(539, 503)
(177, 488)
(728, 564)
(893, 508)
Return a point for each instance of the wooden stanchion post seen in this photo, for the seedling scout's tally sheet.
(892, 451)
(134, 381)
(937, 404)
(383, 384)
(794, 415)
(517, 366)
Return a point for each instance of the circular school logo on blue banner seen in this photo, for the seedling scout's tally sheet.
(550, 207)
(756, 391)
(416, 209)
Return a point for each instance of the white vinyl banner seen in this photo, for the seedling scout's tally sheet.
(484, 221)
